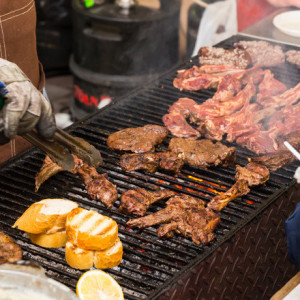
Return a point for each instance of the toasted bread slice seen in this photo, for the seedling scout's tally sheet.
(110, 257)
(79, 258)
(53, 240)
(46, 216)
(90, 230)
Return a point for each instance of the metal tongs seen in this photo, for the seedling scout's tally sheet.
(62, 147)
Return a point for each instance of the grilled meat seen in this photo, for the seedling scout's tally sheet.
(151, 161)
(139, 139)
(237, 58)
(251, 174)
(9, 250)
(240, 188)
(137, 201)
(140, 161)
(203, 153)
(185, 215)
(262, 53)
(98, 186)
(293, 57)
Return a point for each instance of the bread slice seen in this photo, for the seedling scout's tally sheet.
(109, 258)
(90, 230)
(46, 216)
(53, 240)
(85, 259)
(79, 258)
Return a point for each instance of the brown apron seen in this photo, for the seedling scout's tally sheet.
(18, 45)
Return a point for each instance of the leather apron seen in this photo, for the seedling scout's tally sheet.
(18, 45)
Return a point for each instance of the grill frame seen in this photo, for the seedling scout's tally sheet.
(125, 108)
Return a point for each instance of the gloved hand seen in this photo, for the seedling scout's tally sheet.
(297, 175)
(24, 106)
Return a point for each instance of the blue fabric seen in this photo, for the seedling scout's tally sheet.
(292, 231)
(3, 90)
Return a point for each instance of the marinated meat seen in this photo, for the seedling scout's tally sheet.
(140, 161)
(185, 215)
(293, 57)
(269, 87)
(262, 53)
(240, 188)
(237, 58)
(9, 250)
(137, 201)
(98, 186)
(139, 139)
(203, 153)
(205, 77)
(151, 161)
(170, 161)
(251, 174)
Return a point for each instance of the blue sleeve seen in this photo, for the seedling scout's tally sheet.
(292, 231)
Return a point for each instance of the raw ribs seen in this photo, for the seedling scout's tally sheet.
(137, 201)
(185, 215)
(139, 139)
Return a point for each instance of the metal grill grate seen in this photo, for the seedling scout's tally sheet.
(149, 264)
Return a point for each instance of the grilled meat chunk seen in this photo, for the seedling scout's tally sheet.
(140, 161)
(251, 174)
(151, 161)
(98, 186)
(203, 153)
(293, 57)
(185, 215)
(240, 188)
(137, 201)
(139, 139)
(9, 250)
(237, 58)
(262, 53)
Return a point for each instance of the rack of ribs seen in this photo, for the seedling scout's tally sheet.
(139, 139)
(137, 201)
(185, 215)
(250, 175)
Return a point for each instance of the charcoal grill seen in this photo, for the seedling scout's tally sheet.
(248, 255)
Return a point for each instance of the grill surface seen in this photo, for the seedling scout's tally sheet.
(150, 265)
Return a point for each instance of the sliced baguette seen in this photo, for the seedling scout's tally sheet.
(85, 259)
(53, 240)
(109, 258)
(46, 216)
(79, 258)
(90, 230)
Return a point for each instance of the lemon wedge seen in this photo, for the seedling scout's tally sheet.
(98, 285)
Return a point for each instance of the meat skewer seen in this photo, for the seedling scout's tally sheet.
(137, 201)
(185, 215)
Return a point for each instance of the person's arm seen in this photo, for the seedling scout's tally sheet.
(24, 107)
(283, 3)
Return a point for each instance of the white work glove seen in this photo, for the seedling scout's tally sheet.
(25, 107)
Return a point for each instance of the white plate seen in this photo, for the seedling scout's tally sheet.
(288, 22)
